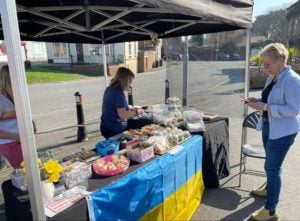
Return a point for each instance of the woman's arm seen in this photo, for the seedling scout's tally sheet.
(124, 114)
(4, 135)
(291, 107)
(8, 115)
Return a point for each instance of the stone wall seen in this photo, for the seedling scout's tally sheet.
(257, 77)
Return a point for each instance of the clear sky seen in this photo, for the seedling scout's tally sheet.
(264, 6)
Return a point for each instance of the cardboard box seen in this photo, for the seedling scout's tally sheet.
(140, 155)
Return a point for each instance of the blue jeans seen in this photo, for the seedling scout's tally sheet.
(276, 151)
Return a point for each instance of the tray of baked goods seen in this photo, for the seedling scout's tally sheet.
(144, 131)
(209, 116)
(111, 165)
(165, 138)
(82, 156)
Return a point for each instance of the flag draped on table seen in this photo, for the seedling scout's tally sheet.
(167, 188)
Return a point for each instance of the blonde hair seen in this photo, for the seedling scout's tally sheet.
(122, 78)
(275, 51)
(5, 83)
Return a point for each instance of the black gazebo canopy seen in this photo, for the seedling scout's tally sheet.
(84, 21)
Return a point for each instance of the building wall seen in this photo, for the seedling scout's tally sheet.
(146, 61)
(148, 54)
(36, 51)
(293, 32)
(115, 54)
(131, 56)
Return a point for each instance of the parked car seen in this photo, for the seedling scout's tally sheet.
(173, 57)
(223, 57)
(235, 57)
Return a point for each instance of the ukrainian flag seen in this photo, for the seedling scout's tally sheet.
(167, 188)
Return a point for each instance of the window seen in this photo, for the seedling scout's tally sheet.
(148, 44)
(95, 50)
(39, 48)
(130, 49)
(107, 50)
(135, 49)
(60, 50)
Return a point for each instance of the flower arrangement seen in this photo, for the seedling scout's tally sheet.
(154, 40)
(49, 170)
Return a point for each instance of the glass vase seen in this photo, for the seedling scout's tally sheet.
(47, 190)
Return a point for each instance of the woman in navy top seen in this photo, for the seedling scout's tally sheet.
(115, 110)
(280, 104)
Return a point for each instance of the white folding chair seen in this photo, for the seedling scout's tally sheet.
(250, 150)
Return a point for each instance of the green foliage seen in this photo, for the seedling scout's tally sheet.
(293, 53)
(53, 74)
(256, 59)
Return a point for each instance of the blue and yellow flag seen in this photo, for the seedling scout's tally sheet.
(167, 188)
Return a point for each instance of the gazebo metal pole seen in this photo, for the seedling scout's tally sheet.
(246, 88)
(185, 72)
(17, 73)
(104, 59)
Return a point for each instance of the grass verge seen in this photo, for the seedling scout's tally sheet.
(54, 74)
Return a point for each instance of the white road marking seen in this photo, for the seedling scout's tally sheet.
(218, 84)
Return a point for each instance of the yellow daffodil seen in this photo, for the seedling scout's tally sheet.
(23, 170)
(40, 162)
(54, 177)
(52, 166)
(49, 170)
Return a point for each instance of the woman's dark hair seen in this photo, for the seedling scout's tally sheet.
(122, 78)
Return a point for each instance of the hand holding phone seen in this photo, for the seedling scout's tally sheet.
(244, 99)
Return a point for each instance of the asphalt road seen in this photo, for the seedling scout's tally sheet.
(214, 86)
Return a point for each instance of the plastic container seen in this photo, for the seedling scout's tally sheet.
(107, 147)
(140, 155)
(110, 172)
(126, 140)
(79, 174)
(17, 180)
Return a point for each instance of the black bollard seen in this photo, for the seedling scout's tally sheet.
(81, 130)
(167, 90)
(130, 97)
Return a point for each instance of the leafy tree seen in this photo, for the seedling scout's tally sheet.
(272, 25)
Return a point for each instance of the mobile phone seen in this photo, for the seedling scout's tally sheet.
(244, 99)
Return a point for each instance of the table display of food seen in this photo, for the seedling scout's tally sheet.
(115, 155)
(109, 158)
(215, 139)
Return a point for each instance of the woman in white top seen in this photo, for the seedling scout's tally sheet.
(10, 146)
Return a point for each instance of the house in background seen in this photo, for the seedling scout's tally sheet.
(148, 55)
(119, 54)
(32, 51)
(137, 56)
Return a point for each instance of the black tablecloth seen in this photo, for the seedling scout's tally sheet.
(215, 162)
